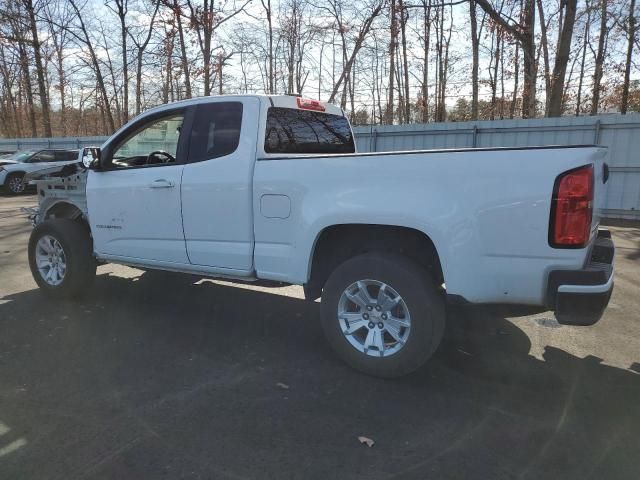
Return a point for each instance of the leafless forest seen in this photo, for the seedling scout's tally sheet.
(85, 67)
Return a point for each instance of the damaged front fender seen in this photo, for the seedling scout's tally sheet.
(61, 193)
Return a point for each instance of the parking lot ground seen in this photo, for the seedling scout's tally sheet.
(159, 376)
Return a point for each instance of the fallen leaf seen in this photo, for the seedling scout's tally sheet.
(283, 386)
(366, 440)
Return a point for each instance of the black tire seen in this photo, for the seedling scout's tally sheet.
(10, 183)
(77, 245)
(421, 295)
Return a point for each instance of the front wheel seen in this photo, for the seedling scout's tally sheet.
(383, 314)
(61, 258)
(14, 183)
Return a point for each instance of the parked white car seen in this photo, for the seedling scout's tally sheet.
(271, 187)
(15, 166)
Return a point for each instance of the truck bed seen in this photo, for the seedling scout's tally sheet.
(486, 210)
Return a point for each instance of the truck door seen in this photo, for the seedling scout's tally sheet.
(134, 201)
(217, 209)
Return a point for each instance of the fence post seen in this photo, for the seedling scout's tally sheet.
(474, 142)
(374, 139)
(596, 132)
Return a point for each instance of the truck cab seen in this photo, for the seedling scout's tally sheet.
(153, 201)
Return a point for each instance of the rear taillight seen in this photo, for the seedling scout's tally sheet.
(572, 208)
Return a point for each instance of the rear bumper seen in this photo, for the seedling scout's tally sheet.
(579, 297)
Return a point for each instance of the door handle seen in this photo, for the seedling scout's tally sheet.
(161, 183)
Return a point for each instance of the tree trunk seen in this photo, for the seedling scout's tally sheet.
(545, 55)
(404, 18)
(26, 79)
(582, 63)
(392, 63)
(529, 60)
(475, 59)
(502, 79)
(439, 40)
(139, 83)
(169, 41)
(59, 49)
(631, 32)
(425, 66)
(597, 76)
(121, 6)
(267, 8)
(494, 79)
(562, 58)
(206, 51)
(183, 49)
(42, 87)
(220, 64)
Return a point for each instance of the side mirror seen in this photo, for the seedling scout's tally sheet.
(91, 158)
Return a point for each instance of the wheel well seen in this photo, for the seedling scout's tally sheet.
(65, 210)
(338, 243)
(13, 174)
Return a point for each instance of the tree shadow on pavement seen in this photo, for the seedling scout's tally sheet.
(156, 375)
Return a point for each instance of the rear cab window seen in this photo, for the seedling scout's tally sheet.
(296, 131)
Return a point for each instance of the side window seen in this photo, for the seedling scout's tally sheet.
(66, 155)
(301, 131)
(154, 143)
(43, 156)
(216, 130)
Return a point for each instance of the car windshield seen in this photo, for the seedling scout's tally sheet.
(20, 156)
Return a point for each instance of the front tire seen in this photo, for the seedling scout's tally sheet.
(14, 183)
(383, 314)
(61, 258)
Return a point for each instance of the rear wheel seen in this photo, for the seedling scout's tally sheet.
(61, 258)
(383, 314)
(14, 183)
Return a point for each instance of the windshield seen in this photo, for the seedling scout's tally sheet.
(20, 156)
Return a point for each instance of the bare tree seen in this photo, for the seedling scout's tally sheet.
(393, 45)
(205, 20)
(631, 35)
(40, 72)
(404, 18)
(597, 75)
(523, 32)
(367, 16)
(82, 36)
(475, 41)
(562, 58)
(141, 44)
(121, 10)
(266, 4)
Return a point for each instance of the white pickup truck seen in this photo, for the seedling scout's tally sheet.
(271, 187)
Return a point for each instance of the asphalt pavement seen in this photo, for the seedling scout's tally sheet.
(156, 375)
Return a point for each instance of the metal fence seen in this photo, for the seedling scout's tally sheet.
(621, 133)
